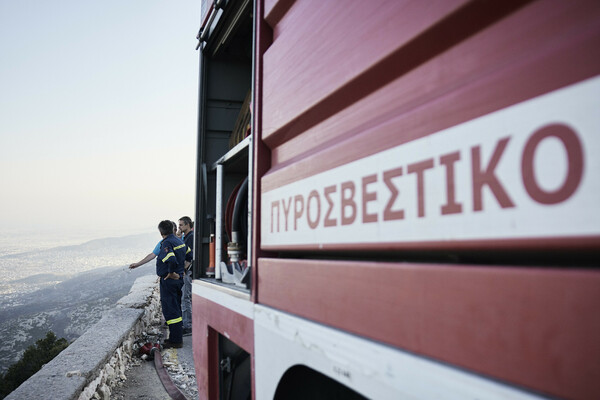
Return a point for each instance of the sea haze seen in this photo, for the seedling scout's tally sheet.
(65, 289)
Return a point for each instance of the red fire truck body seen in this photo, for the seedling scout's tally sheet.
(422, 209)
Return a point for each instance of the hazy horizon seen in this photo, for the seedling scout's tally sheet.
(14, 242)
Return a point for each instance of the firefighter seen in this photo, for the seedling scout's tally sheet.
(170, 267)
(186, 226)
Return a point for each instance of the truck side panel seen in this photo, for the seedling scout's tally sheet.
(432, 181)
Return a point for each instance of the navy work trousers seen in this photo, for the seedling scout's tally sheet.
(170, 300)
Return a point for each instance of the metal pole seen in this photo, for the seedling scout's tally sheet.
(218, 221)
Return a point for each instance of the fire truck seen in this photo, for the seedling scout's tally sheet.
(398, 200)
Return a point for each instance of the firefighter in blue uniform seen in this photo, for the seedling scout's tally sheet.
(170, 267)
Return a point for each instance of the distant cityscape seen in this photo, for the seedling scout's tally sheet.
(64, 289)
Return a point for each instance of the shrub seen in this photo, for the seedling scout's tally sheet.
(34, 357)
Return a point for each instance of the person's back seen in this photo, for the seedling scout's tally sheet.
(171, 247)
(170, 267)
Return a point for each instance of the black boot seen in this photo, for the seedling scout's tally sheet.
(175, 334)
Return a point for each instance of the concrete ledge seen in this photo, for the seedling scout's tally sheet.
(138, 294)
(88, 367)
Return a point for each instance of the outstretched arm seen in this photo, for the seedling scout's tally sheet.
(149, 257)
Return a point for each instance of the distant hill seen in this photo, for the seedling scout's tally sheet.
(104, 244)
(66, 289)
(68, 309)
(66, 261)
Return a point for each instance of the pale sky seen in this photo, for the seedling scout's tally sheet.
(98, 113)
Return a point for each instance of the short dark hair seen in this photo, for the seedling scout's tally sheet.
(187, 220)
(165, 227)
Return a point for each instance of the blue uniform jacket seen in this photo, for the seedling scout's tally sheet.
(189, 242)
(171, 256)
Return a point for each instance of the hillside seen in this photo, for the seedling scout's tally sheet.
(69, 293)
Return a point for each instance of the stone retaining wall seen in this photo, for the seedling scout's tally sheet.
(97, 359)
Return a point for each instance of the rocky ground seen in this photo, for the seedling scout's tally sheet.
(181, 371)
(142, 381)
